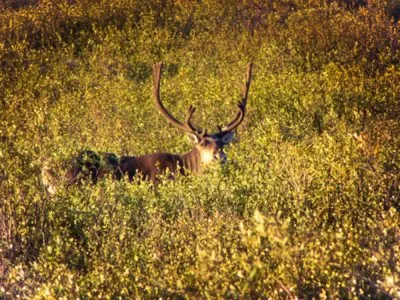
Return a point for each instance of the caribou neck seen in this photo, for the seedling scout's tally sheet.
(192, 160)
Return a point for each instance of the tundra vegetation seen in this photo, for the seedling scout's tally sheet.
(308, 202)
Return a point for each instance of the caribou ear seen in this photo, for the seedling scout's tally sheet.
(192, 138)
(228, 137)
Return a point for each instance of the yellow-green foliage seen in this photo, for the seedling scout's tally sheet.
(309, 202)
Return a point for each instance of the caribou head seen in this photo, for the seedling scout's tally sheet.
(208, 147)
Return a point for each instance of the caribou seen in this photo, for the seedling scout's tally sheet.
(208, 147)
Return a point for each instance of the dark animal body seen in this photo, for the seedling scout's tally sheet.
(151, 165)
(94, 166)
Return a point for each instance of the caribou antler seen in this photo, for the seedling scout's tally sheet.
(188, 126)
(241, 105)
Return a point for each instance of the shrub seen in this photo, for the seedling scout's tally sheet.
(308, 204)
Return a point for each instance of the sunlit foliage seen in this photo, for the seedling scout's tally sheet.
(309, 202)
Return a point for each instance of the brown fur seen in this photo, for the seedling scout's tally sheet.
(151, 165)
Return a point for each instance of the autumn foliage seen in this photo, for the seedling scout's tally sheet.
(308, 204)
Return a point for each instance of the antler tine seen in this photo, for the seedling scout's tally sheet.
(156, 93)
(247, 85)
(188, 118)
(242, 105)
(238, 115)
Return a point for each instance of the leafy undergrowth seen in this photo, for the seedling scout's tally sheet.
(308, 204)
